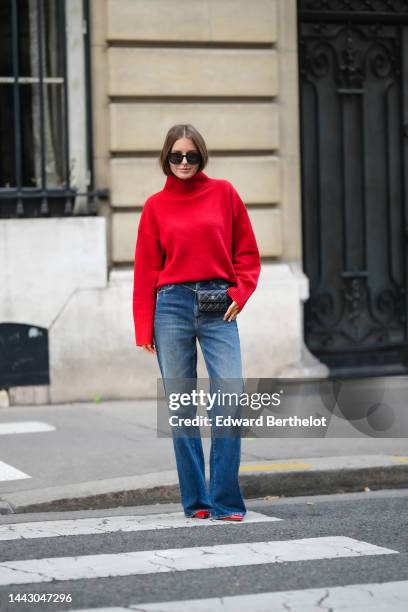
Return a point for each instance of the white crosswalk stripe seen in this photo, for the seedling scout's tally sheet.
(182, 559)
(384, 597)
(106, 524)
(22, 427)
(8, 472)
(378, 597)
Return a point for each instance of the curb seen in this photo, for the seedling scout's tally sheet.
(254, 485)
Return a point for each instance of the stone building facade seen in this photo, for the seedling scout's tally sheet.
(231, 69)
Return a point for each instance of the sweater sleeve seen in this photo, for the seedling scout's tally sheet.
(148, 263)
(245, 253)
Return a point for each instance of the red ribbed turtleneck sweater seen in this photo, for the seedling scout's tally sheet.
(194, 229)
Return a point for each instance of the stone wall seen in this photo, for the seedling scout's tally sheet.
(230, 69)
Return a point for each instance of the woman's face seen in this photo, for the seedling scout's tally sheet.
(184, 170)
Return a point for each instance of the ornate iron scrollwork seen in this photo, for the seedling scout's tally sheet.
(351, 73)
(331, 323)
(369, 6)
(350, 80)
(348, 60)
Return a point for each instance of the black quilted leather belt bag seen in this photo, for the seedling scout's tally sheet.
(213, 300)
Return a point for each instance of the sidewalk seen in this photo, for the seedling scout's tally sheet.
(108, 454)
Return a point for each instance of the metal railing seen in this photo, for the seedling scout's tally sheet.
(35, 166)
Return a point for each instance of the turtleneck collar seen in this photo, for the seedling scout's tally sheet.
(188, 186)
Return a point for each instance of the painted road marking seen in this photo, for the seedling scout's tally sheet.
(106, 524)
(8, 472)
(401, 459)
(21, 427)
(182, 559)
(274, 467)
(384, 597)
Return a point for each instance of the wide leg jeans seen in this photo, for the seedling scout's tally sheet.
(178, 325)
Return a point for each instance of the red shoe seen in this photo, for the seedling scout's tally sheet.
(232, 517)
(202, 514)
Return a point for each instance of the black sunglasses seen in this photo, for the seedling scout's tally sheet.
(192, 157)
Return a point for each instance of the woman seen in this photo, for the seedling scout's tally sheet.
(193, 235)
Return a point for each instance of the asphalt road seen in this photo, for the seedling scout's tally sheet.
(377, 518)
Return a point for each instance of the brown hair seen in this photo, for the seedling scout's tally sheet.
(182, 131)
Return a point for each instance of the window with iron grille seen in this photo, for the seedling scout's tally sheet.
(45, 109)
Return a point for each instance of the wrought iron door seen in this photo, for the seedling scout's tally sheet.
(353, 63)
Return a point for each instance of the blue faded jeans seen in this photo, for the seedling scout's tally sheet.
(178, 325)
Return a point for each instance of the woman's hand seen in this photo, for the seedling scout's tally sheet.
(150, 348)
(232, 312)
